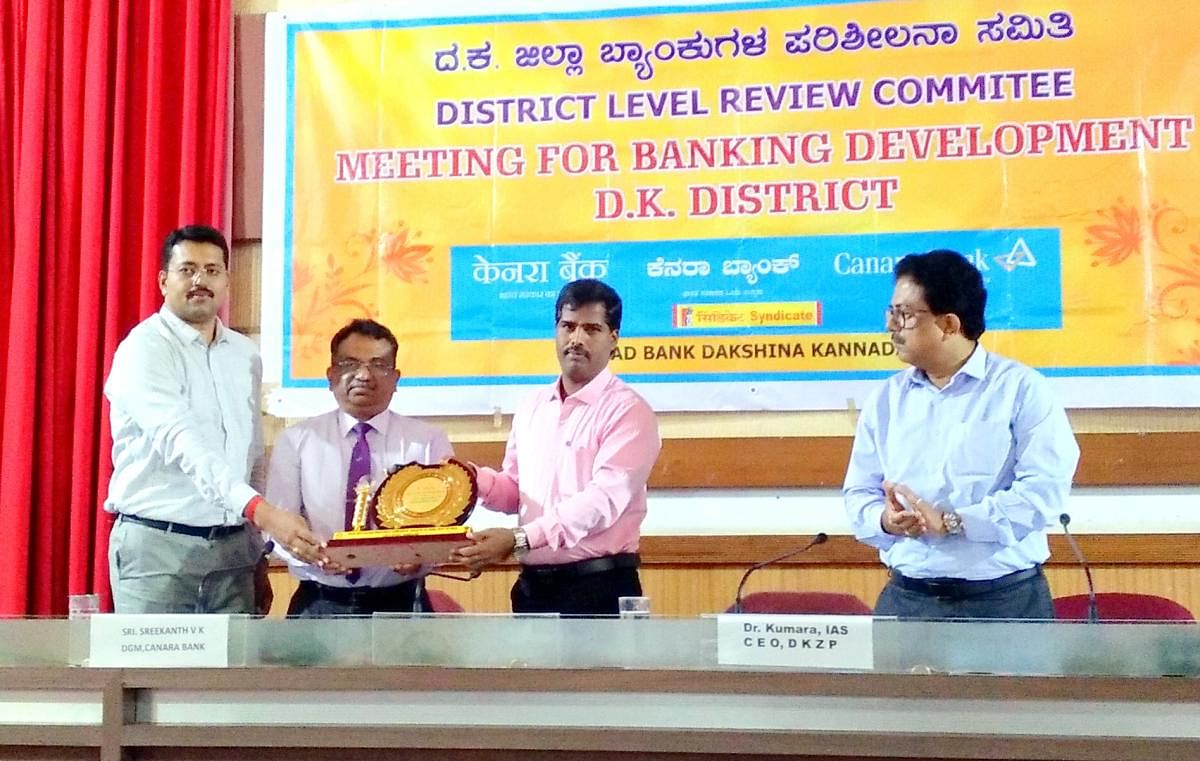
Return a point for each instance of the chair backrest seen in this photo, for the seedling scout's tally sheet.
(442, 602)
(831, 603)
(1121, 606)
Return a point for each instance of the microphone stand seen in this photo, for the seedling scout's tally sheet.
(418, 605)
(1093, 608)
(820, 538)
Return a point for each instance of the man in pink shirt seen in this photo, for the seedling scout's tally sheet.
(574, 472)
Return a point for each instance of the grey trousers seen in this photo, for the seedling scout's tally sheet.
(153, 571)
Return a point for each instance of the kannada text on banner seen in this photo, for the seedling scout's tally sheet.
(746, 178)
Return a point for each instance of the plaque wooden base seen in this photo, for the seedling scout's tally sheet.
(388, 547)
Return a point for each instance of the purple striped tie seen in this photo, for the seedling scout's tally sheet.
(360, 468)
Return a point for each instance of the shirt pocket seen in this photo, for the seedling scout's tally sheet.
(575, 467)
(981, 449)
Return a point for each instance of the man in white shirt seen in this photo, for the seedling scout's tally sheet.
(184, 395)
(310, 471)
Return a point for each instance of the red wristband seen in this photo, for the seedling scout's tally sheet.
(251, 506)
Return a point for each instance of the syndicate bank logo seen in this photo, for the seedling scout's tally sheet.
(682, 317)
(746, 315)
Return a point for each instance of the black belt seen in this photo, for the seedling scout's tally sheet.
(584, 567)
(962, 588)
(204, 532)
(356, 596)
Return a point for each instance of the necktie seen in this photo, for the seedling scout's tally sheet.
(360, 468)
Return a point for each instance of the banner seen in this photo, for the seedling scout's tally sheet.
(746, 176)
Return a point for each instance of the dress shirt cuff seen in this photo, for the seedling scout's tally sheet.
(280, 552)
(977, 525)
(874, 519)
(240, 496)
(535, 534)
(485, 479)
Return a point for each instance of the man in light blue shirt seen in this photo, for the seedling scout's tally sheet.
(962, 462)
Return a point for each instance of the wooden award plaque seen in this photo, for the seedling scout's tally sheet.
(418, 512)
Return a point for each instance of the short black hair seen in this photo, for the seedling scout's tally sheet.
(198, 234)
(588, 291)
(363, 327)
(952, 285)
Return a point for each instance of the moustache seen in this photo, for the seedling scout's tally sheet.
(575, 350)
(198, 291)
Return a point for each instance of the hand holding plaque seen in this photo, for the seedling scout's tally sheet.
(418, 513)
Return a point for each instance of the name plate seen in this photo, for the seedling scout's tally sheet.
(804, 642)
(159, 640)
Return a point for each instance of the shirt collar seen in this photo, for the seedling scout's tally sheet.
(186, 333)
(378, 423)
(975, 367)
(589, 394)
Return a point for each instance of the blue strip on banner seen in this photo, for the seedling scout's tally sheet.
(835, 284)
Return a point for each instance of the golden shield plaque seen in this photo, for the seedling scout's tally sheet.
(415, 516)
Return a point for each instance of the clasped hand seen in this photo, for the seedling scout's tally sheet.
(899, 520)
(491, 546)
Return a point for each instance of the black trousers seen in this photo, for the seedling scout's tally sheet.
(312, 600)
(574, 594)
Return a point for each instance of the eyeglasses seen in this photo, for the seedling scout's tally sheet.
(373, 366)
(189, 271)
(905, 318)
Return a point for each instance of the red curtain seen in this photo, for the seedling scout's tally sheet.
(114, 129)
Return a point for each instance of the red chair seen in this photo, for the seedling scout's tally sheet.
(1121, 606)
(442, 602)
(827, 603)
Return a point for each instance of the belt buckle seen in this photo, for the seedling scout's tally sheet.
(942, 589)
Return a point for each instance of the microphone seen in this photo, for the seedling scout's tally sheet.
(1093, 609)
(820, 538)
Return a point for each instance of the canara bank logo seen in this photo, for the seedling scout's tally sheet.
(682, 316)
(1019, 256)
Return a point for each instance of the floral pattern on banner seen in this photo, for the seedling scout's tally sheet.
(330, 292)
(1172, 240)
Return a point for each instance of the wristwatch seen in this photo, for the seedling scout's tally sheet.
(952, 523)
(520, 543)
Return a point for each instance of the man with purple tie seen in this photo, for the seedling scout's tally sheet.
(316, 464)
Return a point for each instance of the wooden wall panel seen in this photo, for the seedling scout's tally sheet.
(1100, 549)
(249, 38)
(1168, 458)
(690, 590)
(693, 591)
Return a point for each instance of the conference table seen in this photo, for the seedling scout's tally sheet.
(473, 687)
